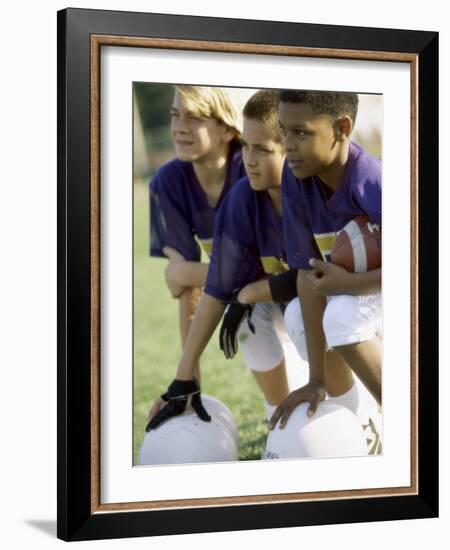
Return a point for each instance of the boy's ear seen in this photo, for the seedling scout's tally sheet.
(229, 134)
(343, 128)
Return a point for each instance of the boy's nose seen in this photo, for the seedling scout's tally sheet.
(249, 158)
(289, 144)
(289, 141)
(180, 125)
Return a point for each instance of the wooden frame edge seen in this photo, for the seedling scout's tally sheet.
(414, 277)
(234, 47)
(95, 274)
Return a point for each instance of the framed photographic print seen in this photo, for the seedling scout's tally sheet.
(167, 129)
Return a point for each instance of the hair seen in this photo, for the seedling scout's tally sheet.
(263, 106)
(223, 104)
(333, 104)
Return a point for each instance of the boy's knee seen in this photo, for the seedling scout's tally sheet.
(262, 349)
(293, 320)
(342, 321)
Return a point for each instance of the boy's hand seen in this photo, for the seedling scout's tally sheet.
(313, 393)
(173, 254)
(173, 275)
(329, 279)
(155, 408)
(234, 315)
(171, 272)
(179, 395)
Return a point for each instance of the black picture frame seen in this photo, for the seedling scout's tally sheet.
(78, 516)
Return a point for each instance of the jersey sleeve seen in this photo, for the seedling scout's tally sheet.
(234, 260)
(368, 197)
(367, 192)
(298, 236)
(169, 220)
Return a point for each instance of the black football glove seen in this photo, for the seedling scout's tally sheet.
(179, 395)
(234, 314)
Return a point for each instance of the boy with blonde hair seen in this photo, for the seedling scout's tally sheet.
(186, 192)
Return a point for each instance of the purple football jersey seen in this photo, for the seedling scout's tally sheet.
(313, 216)
(179, 210)
(248, 242)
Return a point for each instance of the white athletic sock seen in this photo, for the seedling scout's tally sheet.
(349, 399)
(270, 409)
(368, 407)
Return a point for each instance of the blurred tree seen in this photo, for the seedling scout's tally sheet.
(141, 164)
(154, 102)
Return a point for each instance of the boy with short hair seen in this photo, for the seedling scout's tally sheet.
(235, 261)
(327, 181)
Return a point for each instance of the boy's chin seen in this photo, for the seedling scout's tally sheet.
(260, 186)
(300, 174)
(186, 157)
(257, 186)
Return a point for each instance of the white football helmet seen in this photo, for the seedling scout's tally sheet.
(220, 412)
(333, 431)
(185, 439)
(371, 418)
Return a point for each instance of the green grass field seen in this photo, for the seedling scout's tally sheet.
(157, 349)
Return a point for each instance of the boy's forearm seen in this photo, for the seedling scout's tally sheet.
(193, 274)
(259, 291)
(205, 321)
(365, 283)
(278, 288)
(313, 307)
(198, 274)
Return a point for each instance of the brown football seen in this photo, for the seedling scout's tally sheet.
(358, 246)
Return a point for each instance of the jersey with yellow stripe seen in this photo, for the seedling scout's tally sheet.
(313, 216)
(180, 216)
(248, 242)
